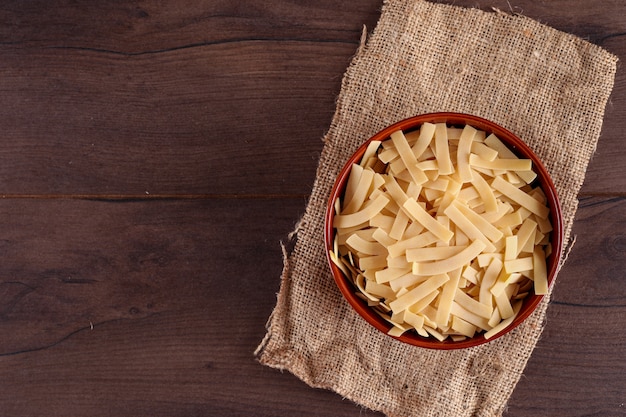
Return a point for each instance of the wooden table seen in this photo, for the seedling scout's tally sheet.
(153, 156)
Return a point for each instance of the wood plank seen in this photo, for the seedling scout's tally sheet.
(579, 364)
(577, 367)
(184, 362)
(205, 120)
(600, 235)
(140, 27)
(607, 170)
(68, 265)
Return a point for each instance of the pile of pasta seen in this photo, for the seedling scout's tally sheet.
(442, 232)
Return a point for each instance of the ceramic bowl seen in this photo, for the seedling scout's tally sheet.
(516, 145)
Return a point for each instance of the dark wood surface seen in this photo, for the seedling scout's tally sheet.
(153, 156)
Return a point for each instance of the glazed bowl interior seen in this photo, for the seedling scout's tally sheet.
(517, 146)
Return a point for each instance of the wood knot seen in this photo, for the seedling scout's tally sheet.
(616, 246)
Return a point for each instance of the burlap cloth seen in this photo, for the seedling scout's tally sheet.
(549, 87)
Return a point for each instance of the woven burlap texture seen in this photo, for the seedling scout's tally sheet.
(547, 86)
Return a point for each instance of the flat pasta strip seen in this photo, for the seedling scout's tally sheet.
(520, 197)
(447, 297)
(501, 164)
(487, 229)
(419, 241)
(418, 214)
(408, 157)
(363, 216)
(463, 154)
(366, 247)
(469, 228)
(370, 152)
(468, 303)
(454, 262)
(419, 292)
(427, 131)
(352, 185)
(519, 265)
(540, 275)
(463, 327)
(432, 253)
(442, 151)
(504, 323)
(389, 274)
(483, 151)
(485, 192)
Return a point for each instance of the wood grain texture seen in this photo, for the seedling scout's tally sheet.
(154, 156)
(70, 265)
(199, 121)
(580, 358)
